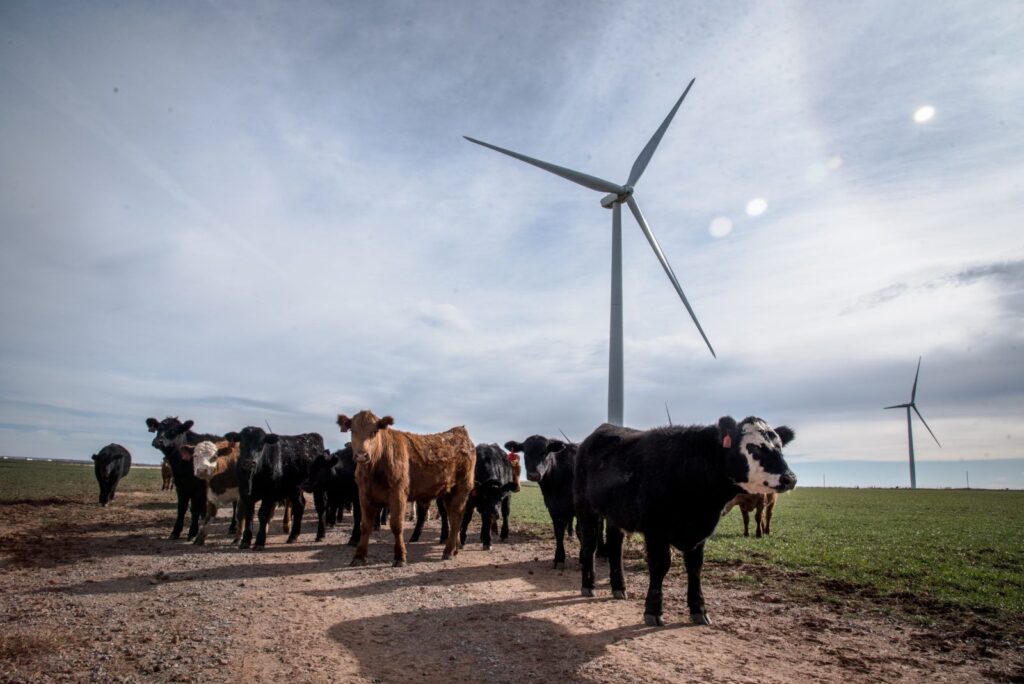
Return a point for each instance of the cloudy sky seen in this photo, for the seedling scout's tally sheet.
(248, 212)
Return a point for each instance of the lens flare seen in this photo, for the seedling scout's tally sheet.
(924, 114)
(757, 206)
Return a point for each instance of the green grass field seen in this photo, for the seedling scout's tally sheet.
(959, 548)
(942, 548)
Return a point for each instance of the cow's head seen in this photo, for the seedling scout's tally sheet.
(754, 450)
(493, 478)
(170, 433)
(367, 430)
(204, 457)
(538, 452)
(320, 471)
(250, 455)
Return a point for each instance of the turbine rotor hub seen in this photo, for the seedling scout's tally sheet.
(610, 200)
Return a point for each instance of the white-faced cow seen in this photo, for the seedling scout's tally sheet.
(394, 467)
(111, 463)
(272, 468)
(550, 463)
(671, 484)
(216, 464)
(171, 435)
(495, 480)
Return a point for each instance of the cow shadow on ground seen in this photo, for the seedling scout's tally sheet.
(508, 641)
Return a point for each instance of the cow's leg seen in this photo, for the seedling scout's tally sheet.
(659, 557)
(233, 527)
(397, 523)
(466, 519)
(197, 507)
(266, 512)
(769, 507)
(382, 518)
(179, 522)
(298, 501)
(421, 517)
(211, 511)
(586, 529)
(442, 513)
(746, 522)
(759, 518)
(371, 514)
(286, 523)
(245, 512)
(486, 518)
(506, 508)
(320, 504)
(455, 508)
(237, 521)
(694, 559)
(357, 522)
(617, 576)
(602, 537)
(560, 524)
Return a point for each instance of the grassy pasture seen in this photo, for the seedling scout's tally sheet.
(936, 548)
(932, 548)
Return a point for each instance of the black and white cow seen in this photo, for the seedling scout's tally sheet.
(332, 482)
(550, 463)
(495, 481)
(272, 468)
(112, 463)
(171, 435)
(670, 484)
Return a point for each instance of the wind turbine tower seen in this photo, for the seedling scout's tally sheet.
(616, 197)
(910, 429)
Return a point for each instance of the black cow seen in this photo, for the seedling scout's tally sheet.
(550, 463)
(112, 463)
(332, 482)
(422, 508)
(671, 484)
(492, 492)
(171, 435)
(272, 468)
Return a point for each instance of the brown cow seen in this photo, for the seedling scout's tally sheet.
(167, 474)
(394, 467)
(764, 503)
(215, 463)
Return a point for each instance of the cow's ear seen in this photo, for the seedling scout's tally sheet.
(384, 422)
(271, 439)
(344, 422)
(785, 433)
(187, 451)
(152, 424)
(553, 446)
(187, 425)
(233, 437)
(727, 431)
(94, 456)
(513, 446)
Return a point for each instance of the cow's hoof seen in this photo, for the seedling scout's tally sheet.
(199, 541)
(175, 535)
(487, 547)
(357, 561)
(700, 619)
(619, 594)
(319, 537)
(447, 555)
(353, 543)
(398, 563)
(244, 545)
(559, 565)
(290, 540)
(653, 620)
(587, 592)
(258, 547)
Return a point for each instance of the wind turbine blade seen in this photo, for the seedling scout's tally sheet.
(668, 414)
(645, 155)
(898, 406)
(635, 208)
(565, 435)
(926, 425)
(587, 181)
(913, 392)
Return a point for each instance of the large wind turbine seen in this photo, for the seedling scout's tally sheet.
(619, 194)
(910, 431)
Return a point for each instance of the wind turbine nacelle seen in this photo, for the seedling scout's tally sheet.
(609, 201)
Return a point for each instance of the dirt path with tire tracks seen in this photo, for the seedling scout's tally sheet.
(89, 594)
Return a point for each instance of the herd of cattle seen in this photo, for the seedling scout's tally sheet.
(672, 484)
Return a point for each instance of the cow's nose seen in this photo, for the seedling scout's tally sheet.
(533, 477)
(362, 457)
(787, 479)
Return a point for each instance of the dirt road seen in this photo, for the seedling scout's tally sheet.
(90, 594)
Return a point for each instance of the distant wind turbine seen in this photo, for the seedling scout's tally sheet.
(619, 194)
(910, 431)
